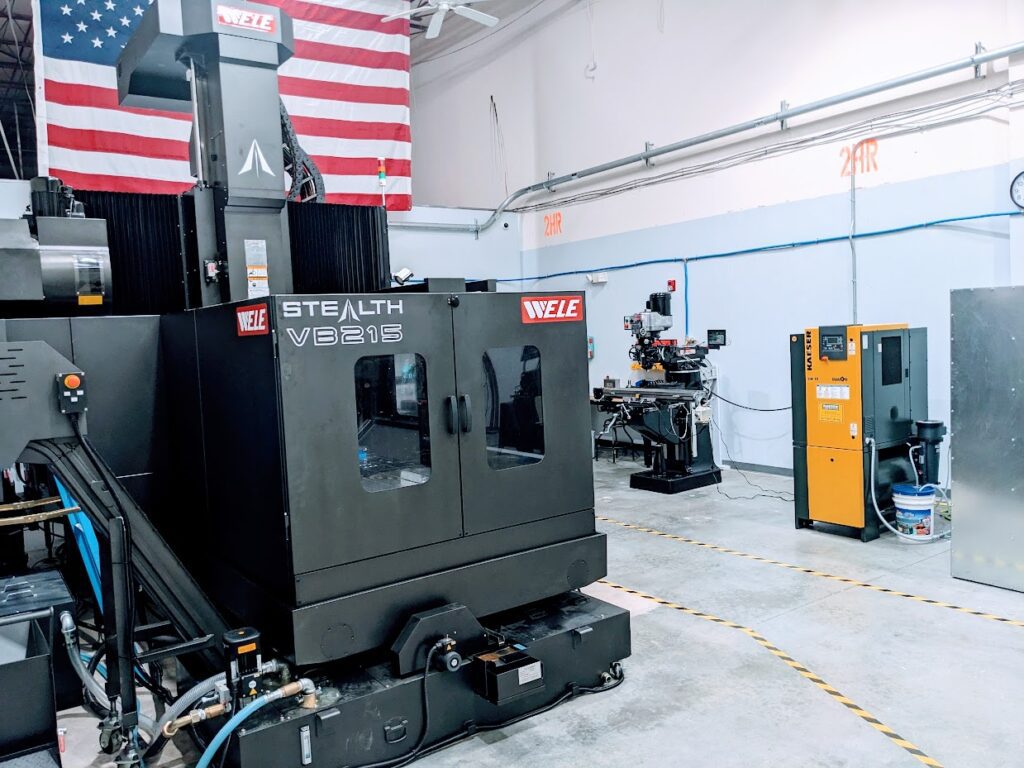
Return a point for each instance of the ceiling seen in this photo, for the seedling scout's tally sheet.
(16, 83)
(457, 30)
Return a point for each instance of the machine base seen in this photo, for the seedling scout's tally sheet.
(871, 531)
(370, 715)
(674, 482)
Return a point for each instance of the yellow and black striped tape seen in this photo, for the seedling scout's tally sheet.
(813, 572)
(852, 706)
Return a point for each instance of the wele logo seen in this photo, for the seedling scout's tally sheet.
(252, 320)
(551, 309)
(230, 16)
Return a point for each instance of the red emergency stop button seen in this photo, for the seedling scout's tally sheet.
(72, 381)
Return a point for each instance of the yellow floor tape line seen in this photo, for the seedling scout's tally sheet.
(856, 709)
(813, 572)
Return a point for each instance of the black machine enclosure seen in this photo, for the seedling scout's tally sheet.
(279, 419)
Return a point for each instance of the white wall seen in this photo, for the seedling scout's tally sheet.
(673, 69)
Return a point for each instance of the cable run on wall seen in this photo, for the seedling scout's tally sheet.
(764, 248)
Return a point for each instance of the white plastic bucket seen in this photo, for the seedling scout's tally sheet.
(915, 510)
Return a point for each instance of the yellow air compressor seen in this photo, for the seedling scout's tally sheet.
(855, 387)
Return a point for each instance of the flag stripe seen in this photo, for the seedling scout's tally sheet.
(114, 120)
(366, 185)
(118, 143)
(320, 146)
(354, 38)
(115, 164)
(350, 129)
(395, 202)
(340, 17)
(303, 106)
(107, 183)
(330, 71)
(364, 94)
(377, 7)
(356, 57)
(95, 96)
(355, 166)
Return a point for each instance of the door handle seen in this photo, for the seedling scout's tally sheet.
(466, 413)
(451, 415)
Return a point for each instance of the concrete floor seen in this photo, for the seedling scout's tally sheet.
(702, 694)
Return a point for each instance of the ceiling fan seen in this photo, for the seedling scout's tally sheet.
(440, 8)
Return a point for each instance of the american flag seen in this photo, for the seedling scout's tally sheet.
(346, 89)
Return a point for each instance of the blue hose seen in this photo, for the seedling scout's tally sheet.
(228, 727)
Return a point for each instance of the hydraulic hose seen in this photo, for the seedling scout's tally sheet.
(92, 685)
(874, 501)
(303, 686)
(189, 699)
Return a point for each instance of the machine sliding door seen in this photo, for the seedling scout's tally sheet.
(367, 391)
(524, 417)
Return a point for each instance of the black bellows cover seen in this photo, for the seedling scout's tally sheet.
(338, 248)
(335, 249)
(145, 250)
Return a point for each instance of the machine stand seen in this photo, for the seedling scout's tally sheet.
(673, 482)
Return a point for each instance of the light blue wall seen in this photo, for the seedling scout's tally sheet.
(762, 298)
(498, 251)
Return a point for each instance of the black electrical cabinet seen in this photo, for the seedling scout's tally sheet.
(353, 459)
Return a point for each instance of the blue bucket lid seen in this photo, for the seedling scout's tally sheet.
(905, 489)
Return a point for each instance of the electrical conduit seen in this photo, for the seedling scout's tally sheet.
(775, 118)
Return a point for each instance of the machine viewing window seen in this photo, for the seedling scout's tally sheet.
(515, 411)
(892, 360)
(393, 421)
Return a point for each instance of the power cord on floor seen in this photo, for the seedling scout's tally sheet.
(764, 493)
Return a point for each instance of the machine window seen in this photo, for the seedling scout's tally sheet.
(393, 421)
(514, 407)
(892, 360)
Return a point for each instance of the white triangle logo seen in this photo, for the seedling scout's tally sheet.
(256, 160)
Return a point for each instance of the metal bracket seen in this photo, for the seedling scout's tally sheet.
(978, 48)
(549, 187)
(783, 106)
(648, 146)
(177, 649)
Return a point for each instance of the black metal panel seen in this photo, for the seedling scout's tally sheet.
(797, 387)
(361, 622)
(55, 331)
(886, 406)
(918, 373)
(121, 357)
(398, 566)
(338, 248)
(29, 719)
(562, 481)
(246, 523)
(126, 421)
